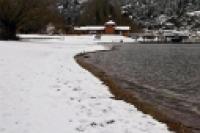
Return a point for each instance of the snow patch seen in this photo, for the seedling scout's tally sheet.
(43, 90)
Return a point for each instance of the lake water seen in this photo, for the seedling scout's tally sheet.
(169, 76)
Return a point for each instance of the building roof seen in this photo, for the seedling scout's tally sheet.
(89, 28)
(100, 28)
(110, 22)
(122, 28)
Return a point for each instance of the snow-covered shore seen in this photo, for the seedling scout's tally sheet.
(43, 90)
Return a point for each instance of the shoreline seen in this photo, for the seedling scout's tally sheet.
(129, 96)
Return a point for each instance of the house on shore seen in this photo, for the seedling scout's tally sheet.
(162, 36)
(109, 27)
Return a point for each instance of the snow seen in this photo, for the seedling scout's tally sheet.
(83, 39)
(194, 13)
(122, 28)
(114, 39)
(43, 90)
(85, 28)
(110, 22)
(36, 36)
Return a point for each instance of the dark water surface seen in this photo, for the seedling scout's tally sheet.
(168, 76)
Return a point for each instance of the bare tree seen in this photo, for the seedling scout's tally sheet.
(14, 14)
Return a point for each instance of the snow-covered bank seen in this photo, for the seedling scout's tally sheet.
(88, 39)
(43, 90)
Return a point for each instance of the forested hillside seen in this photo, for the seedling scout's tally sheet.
(157, 12)
(35, 15)
(146, 13)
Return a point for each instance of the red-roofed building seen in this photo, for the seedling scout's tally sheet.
(110, 27)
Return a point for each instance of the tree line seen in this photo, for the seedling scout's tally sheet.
(32, 16)
(27, 16)
(95, 12)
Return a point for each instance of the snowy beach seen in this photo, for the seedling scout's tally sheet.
(43, 90)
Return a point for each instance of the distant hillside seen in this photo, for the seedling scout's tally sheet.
(158, 12)
(146, 13)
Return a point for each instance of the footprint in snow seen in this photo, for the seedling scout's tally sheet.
(6, 115)
(56, 86)
(66, 83)
(94, 124)
(151, 123)
(58, 80)
(104, 111)
(69, 86)
(70, 121)
(16, 123)
(83, 107)
(110, 122)
(80, 129)
(76, 89)
(2, 130)
(72, 98)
